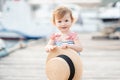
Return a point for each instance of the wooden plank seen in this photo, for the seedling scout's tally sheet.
(29, 63)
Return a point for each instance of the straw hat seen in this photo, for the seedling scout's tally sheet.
(63, 64)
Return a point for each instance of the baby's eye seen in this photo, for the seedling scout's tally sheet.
(59, 21)
(66, 20)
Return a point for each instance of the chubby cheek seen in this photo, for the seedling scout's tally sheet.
(58, 24)
(69, 23)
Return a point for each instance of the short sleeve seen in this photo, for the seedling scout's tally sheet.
(54, 36)
(76, 37)
(72, 36)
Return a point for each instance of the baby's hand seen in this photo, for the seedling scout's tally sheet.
(64, 46)
(49, 48)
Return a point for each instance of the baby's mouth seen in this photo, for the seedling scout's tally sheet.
(63, 27)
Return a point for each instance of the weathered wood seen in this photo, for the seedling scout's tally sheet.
(101, 61)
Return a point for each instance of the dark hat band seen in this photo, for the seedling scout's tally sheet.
(71, 65)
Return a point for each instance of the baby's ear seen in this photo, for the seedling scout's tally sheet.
(53, 22)
(74, 20)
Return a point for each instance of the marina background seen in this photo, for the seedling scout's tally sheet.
(25, 26)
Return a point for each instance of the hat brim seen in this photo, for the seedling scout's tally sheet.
(58, 69)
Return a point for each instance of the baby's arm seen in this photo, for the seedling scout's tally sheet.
(76, 46)
(50, 46)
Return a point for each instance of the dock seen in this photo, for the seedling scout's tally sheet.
(100, 58)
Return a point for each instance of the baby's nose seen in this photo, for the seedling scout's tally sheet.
(63, 23)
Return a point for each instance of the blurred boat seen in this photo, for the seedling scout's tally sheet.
(7, 47)
(15, 35)
(110, 13)
(17, 22)
(2, 48)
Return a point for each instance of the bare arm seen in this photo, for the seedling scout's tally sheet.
(76, 46)
(50, 46)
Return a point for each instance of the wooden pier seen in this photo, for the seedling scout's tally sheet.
(101, 61)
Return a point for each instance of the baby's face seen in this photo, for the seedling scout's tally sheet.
(64, 23)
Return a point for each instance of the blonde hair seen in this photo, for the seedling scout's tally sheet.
(59, 13)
